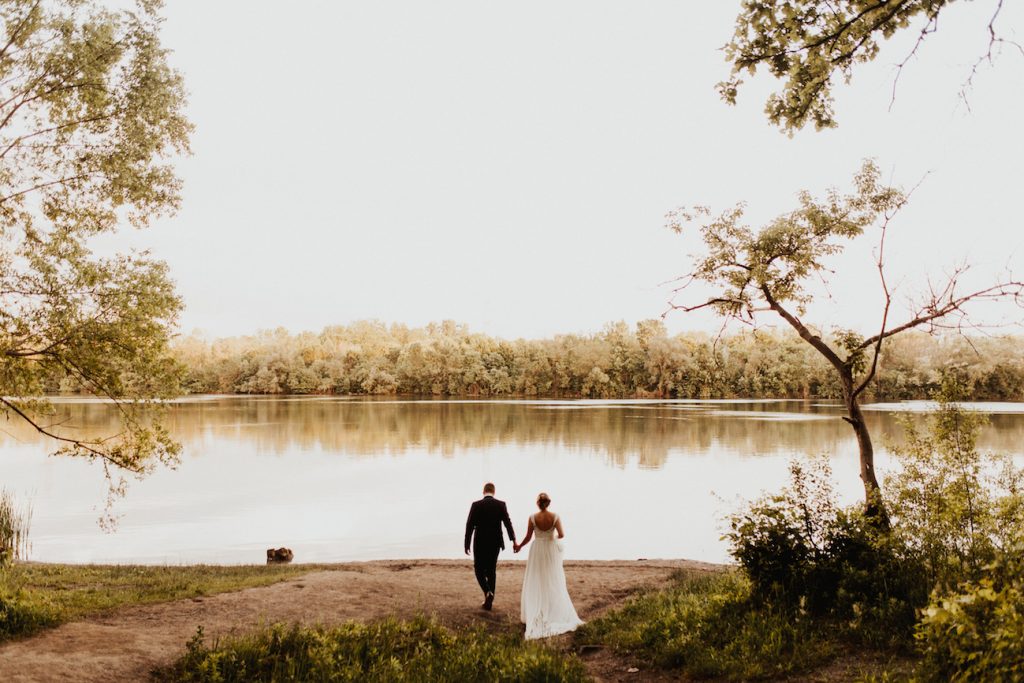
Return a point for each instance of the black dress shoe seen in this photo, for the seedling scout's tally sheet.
(488, 601)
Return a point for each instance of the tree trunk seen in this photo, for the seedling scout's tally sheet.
(874, 506)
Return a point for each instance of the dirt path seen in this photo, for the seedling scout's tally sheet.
(125, 645)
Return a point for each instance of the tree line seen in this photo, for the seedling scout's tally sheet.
(643, 361)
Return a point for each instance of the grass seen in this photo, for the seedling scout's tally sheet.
(708, 626)
(387, 651)
(701, 626)
(38, 596)
(15, 521)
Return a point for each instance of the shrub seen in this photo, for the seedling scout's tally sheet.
(803, 552)
(417, 650)
(977, 632)
(952, 505)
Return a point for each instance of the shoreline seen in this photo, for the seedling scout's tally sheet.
(420, 561)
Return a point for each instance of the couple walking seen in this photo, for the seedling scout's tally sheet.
(545, 606)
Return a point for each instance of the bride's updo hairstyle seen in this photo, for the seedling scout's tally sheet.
(543, 501)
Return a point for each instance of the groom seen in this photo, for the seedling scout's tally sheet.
(484, 526)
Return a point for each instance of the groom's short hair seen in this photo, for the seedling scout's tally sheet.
(488, 487)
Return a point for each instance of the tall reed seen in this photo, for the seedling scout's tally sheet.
(15, 520)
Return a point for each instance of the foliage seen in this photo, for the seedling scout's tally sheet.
(976, 633)
(15, 521)
(955, 511)
(756, 270)
(447, 359)
(36, 596)
(710, 626)
(391, 650)
(953, 506)
(809, 44)
(800, 550)
(771, 270)
(90, 116)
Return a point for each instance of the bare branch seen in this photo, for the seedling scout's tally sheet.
(994, 39)
(947, 303)
(930, 27)
(885, 312)
(886, 292)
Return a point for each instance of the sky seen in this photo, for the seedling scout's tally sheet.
(510, 166)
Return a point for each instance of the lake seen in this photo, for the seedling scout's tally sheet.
(339, 479)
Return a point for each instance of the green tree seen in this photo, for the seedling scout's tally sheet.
(809, 44)
(752, 272)
(90, 120)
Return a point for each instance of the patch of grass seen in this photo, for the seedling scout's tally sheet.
(419, 650)
(38, 596)
(709, 626)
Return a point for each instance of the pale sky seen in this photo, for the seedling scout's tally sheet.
(509, 166)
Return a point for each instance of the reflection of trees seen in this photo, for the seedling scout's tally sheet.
(623, 433)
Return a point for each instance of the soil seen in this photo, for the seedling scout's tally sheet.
(126, 644)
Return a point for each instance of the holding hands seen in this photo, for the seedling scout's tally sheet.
(516, 547)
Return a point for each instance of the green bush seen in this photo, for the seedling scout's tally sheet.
(801, 551)
(977, 632)
(709, 626)
(387, 651)
(953, 506)
(816, 577)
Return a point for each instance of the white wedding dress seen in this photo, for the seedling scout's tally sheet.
(546, 608)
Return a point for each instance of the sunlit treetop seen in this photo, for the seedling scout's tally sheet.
(90, 111)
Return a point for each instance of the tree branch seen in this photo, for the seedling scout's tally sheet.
(17, 31)
(814, 340)
(89, 447)
(885, 313)
(934, 311)
(993, 40)
(42, 186)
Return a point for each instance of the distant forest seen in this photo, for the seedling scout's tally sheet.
(446, 359)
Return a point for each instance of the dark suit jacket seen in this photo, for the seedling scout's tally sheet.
(484, 525)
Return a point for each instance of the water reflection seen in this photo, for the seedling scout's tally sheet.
(338, 479)
(631, 431)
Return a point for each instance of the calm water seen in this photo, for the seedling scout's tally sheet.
(338, 479)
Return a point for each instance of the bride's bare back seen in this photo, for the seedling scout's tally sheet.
(545, 520)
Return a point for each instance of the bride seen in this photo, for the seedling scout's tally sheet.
(545, 608)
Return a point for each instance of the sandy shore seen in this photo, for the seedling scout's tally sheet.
(126, 644)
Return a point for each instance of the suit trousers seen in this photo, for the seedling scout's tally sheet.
(485, 564)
